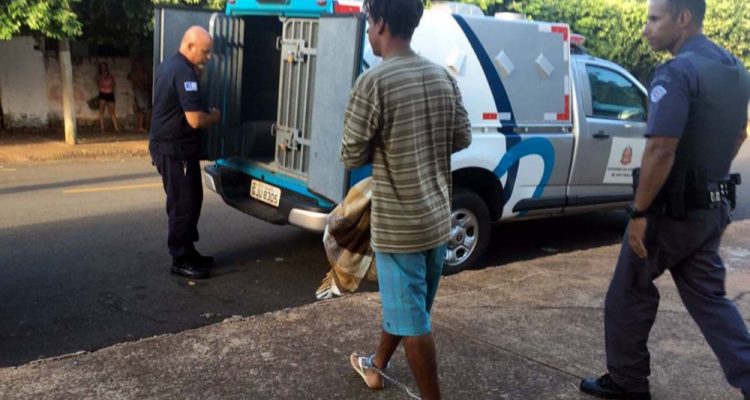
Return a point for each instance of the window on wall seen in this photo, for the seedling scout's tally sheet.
(614, 96)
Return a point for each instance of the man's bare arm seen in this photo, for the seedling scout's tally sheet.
(202, 120)
(655, 167)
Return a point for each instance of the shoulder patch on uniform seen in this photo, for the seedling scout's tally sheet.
(658, 93)
(191, 86)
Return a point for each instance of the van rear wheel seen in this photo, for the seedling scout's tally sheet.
(470, 231)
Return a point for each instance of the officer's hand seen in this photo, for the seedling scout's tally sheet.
(215, 114)
(636, 236)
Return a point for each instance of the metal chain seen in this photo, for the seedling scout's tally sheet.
(394, 381)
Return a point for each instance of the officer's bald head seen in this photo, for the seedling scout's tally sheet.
(196, 46)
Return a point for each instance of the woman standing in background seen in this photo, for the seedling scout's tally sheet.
(106, 84)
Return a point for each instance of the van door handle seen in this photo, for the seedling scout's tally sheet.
(601, 135)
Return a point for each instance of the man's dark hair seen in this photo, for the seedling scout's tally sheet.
(696, 7)
(401, 16)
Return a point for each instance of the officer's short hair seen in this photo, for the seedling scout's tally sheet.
(696, 7)
(401, 16)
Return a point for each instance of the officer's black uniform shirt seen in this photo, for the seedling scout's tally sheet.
(175, 92)
(675, 83)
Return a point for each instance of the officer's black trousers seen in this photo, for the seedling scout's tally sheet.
(184, 189)
(689, 249)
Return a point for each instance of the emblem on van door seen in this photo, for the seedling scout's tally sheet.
(627, 156)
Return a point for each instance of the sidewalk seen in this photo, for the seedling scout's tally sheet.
(527, 330)
(23, 147)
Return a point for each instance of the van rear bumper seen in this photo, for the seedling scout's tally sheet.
(294, 209)
(310, 220)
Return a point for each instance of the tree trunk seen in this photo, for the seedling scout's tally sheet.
(2, 113)
(69, 107)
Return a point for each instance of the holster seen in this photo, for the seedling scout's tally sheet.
(734, 180)
(691, 189)
(675, 195)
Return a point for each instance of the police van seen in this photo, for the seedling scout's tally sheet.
(553, 133)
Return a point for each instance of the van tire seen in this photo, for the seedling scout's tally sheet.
(470, 231)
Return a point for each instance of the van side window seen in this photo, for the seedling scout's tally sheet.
(615, 97)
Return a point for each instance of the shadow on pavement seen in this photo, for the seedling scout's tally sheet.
(79, 182)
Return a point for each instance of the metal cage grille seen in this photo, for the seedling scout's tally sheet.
(298, 46)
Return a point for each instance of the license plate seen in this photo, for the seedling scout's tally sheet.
(265, 193)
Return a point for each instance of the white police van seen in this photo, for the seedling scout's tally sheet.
(552, 133)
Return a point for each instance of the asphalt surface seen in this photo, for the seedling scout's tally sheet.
(530, 330)
(83, 263)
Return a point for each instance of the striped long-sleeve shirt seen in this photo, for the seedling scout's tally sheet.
(406, 117)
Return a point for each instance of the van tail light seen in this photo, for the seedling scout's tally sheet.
(577, 39)
(347, 7)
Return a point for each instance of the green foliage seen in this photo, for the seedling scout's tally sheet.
(728, 23)
(212, 4)
(486, 5)
(128, 24)
(52, 18)
(115, 23)
(613, 27)
(490, 7)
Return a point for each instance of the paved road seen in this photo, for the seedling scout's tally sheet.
(83, 263)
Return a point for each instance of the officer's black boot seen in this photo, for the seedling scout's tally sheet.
(189, 268)
(201, 260)
(605, 388)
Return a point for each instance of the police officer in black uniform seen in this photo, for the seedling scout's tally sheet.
(696, 125)
(178, 120)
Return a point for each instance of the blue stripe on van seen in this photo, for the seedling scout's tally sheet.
(511, 140)
(359, 174)
(502, 103)
(275, 179)
(534, 146)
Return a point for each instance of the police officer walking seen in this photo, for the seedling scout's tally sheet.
(696, 125)
(177, 123)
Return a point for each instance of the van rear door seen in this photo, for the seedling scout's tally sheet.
(339, 59)
(221, 82)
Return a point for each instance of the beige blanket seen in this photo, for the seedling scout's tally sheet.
(347, 243)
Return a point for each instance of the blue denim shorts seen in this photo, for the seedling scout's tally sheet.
(408, 283)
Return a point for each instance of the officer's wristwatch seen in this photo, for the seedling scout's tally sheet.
(633, 212)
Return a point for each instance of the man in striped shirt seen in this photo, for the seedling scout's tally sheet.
(405, 116)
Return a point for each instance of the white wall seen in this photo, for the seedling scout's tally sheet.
(32, 92)
(23, 83)
(84, 82)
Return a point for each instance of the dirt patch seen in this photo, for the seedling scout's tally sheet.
(33, 146)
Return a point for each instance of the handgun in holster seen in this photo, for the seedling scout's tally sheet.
(636, 179)
(675, 195)
(734, 180)
(671, 198)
